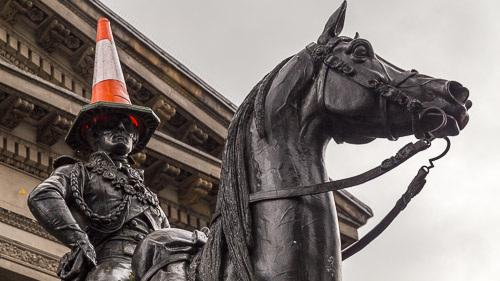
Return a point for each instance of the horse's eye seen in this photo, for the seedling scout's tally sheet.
(360, 51)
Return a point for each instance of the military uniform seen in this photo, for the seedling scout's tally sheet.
(96, 204)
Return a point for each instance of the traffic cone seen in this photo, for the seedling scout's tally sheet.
(109, 96)
(109, 84)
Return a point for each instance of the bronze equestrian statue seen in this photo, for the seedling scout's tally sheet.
(337, 88)
(274, 219)
(100, 207)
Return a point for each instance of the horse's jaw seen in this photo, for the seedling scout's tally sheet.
(354, 139)
(447, 125)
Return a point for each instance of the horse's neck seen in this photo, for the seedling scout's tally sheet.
(291, 155)
(292, 152)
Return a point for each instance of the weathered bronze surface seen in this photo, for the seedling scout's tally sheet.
(337, 88)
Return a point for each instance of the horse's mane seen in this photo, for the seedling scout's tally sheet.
(231, 230)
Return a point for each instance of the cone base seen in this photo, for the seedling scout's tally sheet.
(110, 91)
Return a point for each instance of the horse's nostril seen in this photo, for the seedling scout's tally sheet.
(459, 92)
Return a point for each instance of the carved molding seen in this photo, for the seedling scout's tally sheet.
(13, 110)
(27, 57)
(194, 188)
(166, 78)
(169, 79)
(38, 113)
(28, 257)
(26, 156)
(170, 171)
(143, 95)
(182, 217)
(54, 34)
(163, 108)
(24, 223)
(77, 10)
(162, 174)
(83, 61)
(178, 122)
(132, 83)
(11, 8)
(13, 60)
(195, 135)
(51, 131)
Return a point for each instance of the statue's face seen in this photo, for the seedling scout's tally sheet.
(116, 134)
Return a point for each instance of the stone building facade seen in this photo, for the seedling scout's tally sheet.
(46, 68)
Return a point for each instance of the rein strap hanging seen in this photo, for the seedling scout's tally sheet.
(387, 165)
(414, 188)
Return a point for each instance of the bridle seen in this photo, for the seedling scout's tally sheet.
(387, 92)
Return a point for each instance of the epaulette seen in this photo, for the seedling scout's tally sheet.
(64, 160)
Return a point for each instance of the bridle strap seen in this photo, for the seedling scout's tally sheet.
(386, 91)
(385, 119)
(413, 189)
(387, 165)
(405, 153)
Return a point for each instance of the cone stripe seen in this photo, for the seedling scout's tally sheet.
(110, 91)
(107, 64)
(104, 30)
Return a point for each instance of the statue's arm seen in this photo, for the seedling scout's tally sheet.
(48, 202)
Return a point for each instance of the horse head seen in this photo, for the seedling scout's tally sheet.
(366, 97)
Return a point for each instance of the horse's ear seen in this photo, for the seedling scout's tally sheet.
(334, 25)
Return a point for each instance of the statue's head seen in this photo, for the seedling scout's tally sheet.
(112, 127)
(115, 134)
(111, 123)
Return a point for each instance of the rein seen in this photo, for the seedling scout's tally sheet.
(405, 153)
(387, 165)
(413, 189)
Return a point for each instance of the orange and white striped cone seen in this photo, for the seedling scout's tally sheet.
(109, 83)
(109, 95)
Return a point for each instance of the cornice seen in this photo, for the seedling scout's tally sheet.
(355, 212)
(182, 217)
(28, 256)
(24, 223)
(25, 156)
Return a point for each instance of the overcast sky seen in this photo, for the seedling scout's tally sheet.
(451, 230)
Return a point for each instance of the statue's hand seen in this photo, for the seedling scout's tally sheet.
(75, 265)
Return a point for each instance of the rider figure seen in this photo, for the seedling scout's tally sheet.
(100, 207)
